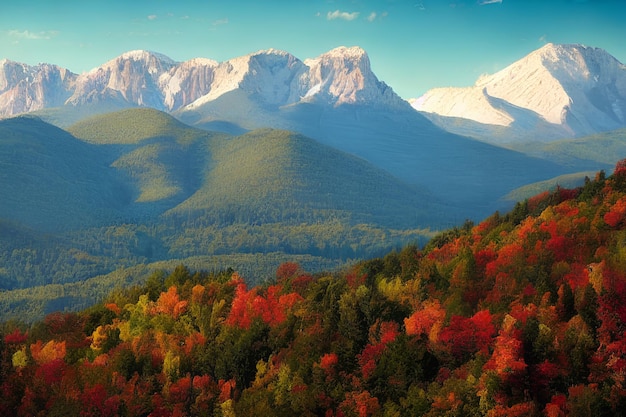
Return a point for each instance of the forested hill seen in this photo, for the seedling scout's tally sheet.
(521, 315)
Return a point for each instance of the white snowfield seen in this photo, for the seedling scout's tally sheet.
(577, 89)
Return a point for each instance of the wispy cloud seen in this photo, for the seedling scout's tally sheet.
(484, 2)
(27, 34)
(152, 17)
(373, 16)
(338, 14)
(220, 22)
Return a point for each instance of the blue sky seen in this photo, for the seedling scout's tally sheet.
(413, 44)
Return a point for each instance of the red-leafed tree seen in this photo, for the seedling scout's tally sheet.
(328, 362)
(615, 216)
(287, 270)
(360, 404)
(16, 337)
(422, 322)
(466, 336)
(240, 314)
(49, 352)
(507, 359)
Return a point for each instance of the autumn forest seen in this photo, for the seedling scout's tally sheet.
(522, 314)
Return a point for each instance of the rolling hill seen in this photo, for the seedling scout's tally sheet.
(149, 189)
(277, 176)
(52, 181)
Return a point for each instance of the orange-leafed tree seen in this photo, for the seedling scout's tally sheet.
(44, 353)
(169, 303)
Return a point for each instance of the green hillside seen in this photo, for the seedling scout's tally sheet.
(163, 159)
(143, 188)
(277, 176)
(131, 126)
(564, 181)
(52, 181)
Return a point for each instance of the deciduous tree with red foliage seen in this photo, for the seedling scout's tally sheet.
(466, 336)
(16, 337)
(423, 321)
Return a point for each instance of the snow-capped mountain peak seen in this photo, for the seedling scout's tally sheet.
(143, 55)
(131, 77)
(570, 90)
(340, 76)
(271, 77)
(344, 76)
(25, 88)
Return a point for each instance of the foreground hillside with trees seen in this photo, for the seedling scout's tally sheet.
(521, 315)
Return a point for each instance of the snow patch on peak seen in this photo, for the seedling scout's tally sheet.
(270, 51)
(198, 62)
(348, 51)
(143, 55)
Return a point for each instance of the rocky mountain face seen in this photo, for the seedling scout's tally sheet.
(132, 78)
(25, 88)
(558, 91)
(147, 79)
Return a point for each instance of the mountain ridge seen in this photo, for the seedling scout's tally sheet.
(558, 91)
(146, 78)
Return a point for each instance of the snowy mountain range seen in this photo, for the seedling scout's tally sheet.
(557, 91)
(141, 78)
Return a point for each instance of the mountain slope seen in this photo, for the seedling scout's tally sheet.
(276, 176)
(557, 91)
(468, 175)
(163, 159)
(53, 181)
(599, 150)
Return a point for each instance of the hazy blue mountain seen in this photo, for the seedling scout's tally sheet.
(601, 150)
